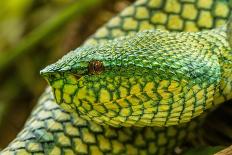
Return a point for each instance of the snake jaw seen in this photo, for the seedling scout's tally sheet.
(58, 81)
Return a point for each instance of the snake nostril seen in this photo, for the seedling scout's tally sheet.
(52, 76)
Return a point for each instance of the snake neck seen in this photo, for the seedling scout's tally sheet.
(220, 46)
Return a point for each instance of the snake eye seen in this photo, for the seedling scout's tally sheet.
(95, 67)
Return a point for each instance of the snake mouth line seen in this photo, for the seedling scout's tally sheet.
(76, 76)
(52, 77)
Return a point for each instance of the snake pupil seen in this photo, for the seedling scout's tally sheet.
(95, 67)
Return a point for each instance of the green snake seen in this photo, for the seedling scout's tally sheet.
(135, 87)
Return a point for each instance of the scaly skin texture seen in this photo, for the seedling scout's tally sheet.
(51, 130)
(150, 79)
(54, 131)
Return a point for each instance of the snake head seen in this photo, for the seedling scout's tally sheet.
(145, 79)
(97, 82)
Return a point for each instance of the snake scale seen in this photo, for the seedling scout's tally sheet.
(134, 87)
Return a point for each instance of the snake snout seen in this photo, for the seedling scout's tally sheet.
(51, 77)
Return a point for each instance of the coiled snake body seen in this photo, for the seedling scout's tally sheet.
(138, 93)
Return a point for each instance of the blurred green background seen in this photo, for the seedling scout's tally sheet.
(34, 34)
